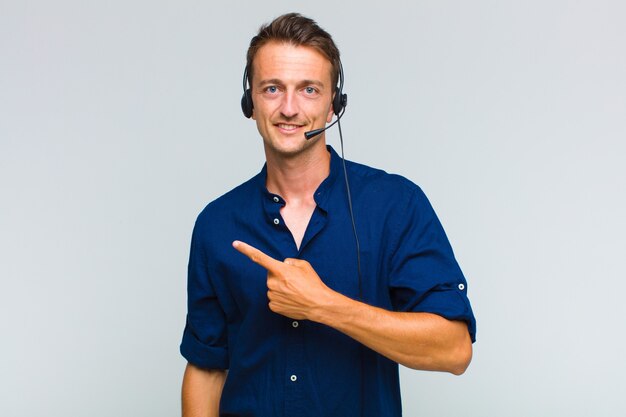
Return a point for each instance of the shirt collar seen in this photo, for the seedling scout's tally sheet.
(322, 192)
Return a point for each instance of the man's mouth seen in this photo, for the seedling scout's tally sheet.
(288, 127)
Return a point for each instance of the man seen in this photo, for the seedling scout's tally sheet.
(278, 295)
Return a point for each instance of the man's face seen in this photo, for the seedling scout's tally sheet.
(292, 94)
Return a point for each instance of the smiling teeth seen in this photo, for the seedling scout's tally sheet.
(287, 127)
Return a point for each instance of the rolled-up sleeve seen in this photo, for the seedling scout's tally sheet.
(204, 341)
(425, 276)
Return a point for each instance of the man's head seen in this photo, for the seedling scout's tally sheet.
(293, 69)
(297, 30)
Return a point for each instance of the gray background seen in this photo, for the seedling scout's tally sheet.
(120, 120)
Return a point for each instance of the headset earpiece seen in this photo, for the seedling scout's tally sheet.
(246, 98)
(246, 103)
(339, 101)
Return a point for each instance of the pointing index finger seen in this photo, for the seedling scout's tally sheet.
(256, 255)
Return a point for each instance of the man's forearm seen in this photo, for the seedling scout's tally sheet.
(416, 340)
(201, 392)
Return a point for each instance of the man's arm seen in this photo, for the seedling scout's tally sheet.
(417, 340)
(201, 392)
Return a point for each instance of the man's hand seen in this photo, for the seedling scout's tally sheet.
(293, 287)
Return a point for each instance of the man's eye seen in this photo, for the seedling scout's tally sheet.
(309, 90)
(271, 89)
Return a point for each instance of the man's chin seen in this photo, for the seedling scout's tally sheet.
(291, 148)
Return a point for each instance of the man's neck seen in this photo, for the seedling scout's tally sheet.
(297, 178)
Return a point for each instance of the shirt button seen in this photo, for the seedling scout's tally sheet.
(293, 378)
(461, 287)
(276, 221)
(295, 324)
(276, 199)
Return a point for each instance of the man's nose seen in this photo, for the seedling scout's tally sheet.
(289, 105)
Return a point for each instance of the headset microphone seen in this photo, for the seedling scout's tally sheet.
(312, 133)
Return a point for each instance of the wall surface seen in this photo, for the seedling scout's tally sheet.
(120, 120)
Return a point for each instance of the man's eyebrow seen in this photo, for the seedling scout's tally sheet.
(312, 82)
(303, 82)
(271, 81)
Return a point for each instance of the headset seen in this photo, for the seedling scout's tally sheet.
(340, 101)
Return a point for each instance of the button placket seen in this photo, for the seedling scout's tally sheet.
(295, 379)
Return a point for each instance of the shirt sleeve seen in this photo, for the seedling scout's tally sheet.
(425, 276)
(204, 342)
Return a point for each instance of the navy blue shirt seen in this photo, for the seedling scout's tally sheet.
(280, 367)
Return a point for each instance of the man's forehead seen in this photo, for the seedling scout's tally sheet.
(282, 59)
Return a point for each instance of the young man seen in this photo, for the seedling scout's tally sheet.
(278, 295)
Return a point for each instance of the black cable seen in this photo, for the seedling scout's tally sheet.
(356, 237)
(358, 259)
